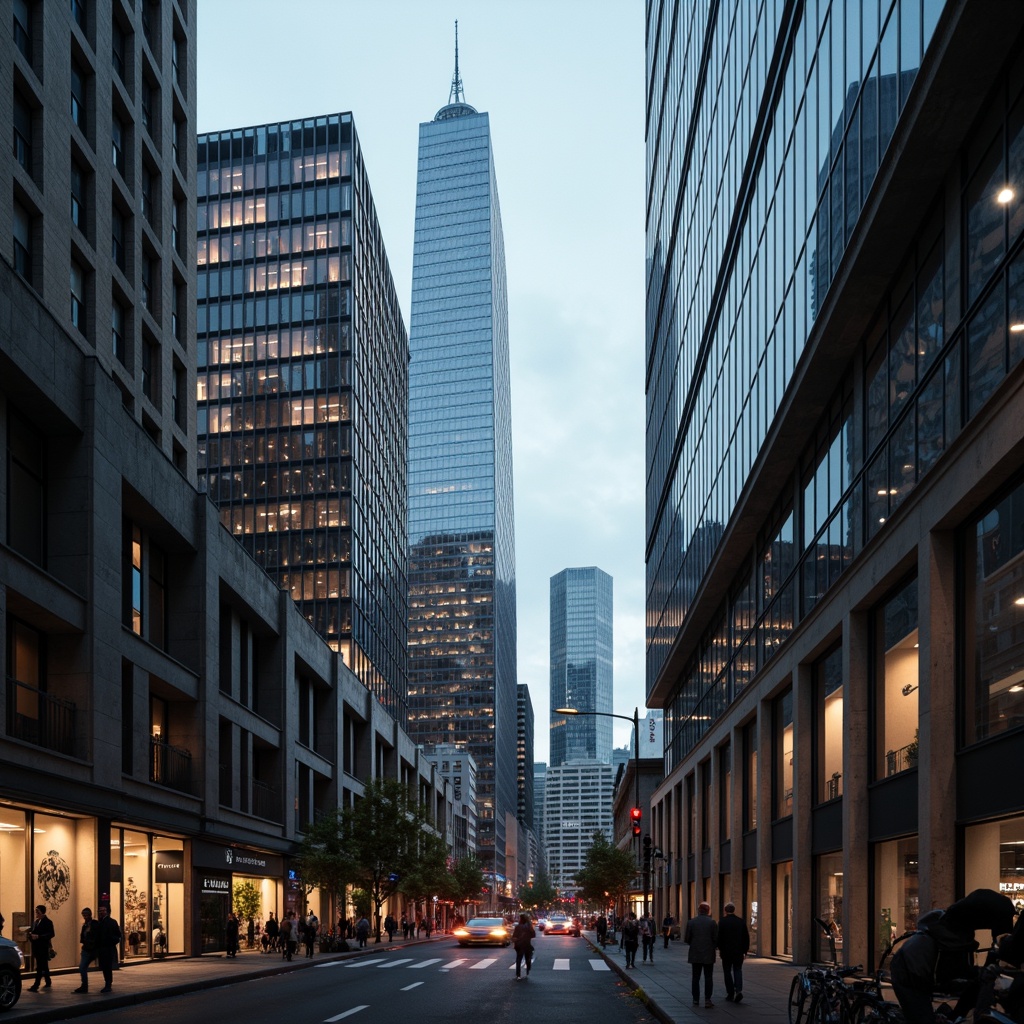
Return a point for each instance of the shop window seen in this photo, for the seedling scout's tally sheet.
(828, 698)
(751, 902)
(784, 909)
(897, 680)
(783, 725)
(725, 793)
(828, 910)
(994, 630)
(994, 858)
(896, 906)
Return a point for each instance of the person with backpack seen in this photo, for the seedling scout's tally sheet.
(630, 939)
(647, 936)
(522, 940)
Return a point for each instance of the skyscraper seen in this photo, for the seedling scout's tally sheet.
(835, 498)
(581, 664)
(462, 614)
(303, 364)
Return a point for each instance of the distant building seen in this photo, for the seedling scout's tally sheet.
(302, 382)
(524, 757)
(540, 774)
(462, 605)
(581, 651)
(456, 766)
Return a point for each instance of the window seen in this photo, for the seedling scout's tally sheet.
(147, 275)
(750, 777)
(828, 698)
(26, 481)
(146, 106)
(783, 721)
(117, 238)
(117, 138)
(77, 96)
(146, 195)
(177, 306)
(828, 870)
(896, 890)
(77, 196)
(22, 28)
(177, 61)
(22, 242)
(117, 335)
(118, 50)
(22, 132)
(131, 577)
(994, 609)
(178, 144)
(150, 369)
(78, 12)
(176, 216)
(897, 669)
(78, 296)
(177, 394)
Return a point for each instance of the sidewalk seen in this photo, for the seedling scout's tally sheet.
(666, 982)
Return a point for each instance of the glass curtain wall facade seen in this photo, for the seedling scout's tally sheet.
(835, 333)
(581, 664)
(302, 382)
(462, 614)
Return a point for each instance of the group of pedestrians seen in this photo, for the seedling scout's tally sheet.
(730, 938)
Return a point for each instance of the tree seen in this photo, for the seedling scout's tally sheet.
(323, 861)
(607, 872)
(246, 899)
(429, 876)
(463, 884)
(538, 893)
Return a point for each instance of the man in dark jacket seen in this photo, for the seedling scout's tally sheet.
(90, 940)
(41, 932)
(630, 939)
(702, 938)
(522, 941)
(733, 944)
(108, 933)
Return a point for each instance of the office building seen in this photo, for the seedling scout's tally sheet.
(524, 757)
(302, 382)
(462, 604)
(835, 332)
(581, 664)
(458, 769)
(170, 722)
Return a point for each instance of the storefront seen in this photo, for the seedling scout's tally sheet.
(226, 877)
(994, 858)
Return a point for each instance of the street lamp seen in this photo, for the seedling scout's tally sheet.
(636, 754)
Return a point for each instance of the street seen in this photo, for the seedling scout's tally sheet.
(438, 982)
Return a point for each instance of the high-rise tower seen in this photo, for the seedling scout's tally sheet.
(303, 362)
(581, 664)
(462, 614)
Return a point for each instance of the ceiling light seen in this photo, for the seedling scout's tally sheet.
(1016, 328)
(1004, 196)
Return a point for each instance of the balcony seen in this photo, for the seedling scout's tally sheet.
(266, 801)
(897, 761)
(41, 719)
(170, 766)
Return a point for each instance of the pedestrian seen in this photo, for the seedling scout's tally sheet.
(285, 940)
(231, 934)
(647, 934)
(272, 930)
(702, 937)
(109, 937)
(630, 939)
(427, 924)
(251, 933)
(522, 940)
(733, 944)
(312, 927)
(362, 931)
(389, 927)
(667, 927)
(159, 939)
(41, 933)
(90, 940)
(405, 927)
(602, 929)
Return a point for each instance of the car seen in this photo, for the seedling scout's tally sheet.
(12, 963)
(542, 922)
(483, 931)
(561, 924)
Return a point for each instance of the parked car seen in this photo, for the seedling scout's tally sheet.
(483, 931)
(12, 963)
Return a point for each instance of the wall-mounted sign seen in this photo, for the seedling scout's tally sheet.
(215, 885)
(236, 859)
(168, 866)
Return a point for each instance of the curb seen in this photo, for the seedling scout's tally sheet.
(634, 985)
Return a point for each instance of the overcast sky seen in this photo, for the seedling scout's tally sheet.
(563, 82)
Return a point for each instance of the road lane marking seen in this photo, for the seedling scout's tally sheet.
(599, 965)
(424, 963)
(560, 964)
(395, 963)
(347, 1013)
(450, 964)
(481, 964)
(366, 963)
(415, 984)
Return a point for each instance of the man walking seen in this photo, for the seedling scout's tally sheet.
(666, 928)
(647, 936)
(630, 939)
(109, 937)
(41, 933)
(733, 944)
(702, 938)
(89, 939)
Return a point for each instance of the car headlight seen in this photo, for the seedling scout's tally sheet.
(460, 933)
(498, 933)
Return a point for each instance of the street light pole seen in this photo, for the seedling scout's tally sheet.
(636, 767)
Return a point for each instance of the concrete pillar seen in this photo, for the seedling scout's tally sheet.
(857, 915)
(936, 779)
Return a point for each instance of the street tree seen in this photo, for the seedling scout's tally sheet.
(607, 873)
(428, 876)
(464, 883)
(538, 893)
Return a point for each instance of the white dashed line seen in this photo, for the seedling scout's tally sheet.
(451, 964)
(599, 965)
(481, 964)
(347, 1013)
(415, 984)
(395, 963)
(424, 963)
(560, 964)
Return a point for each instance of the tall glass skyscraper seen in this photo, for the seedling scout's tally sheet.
(303, 370)
(462, 614)
(581, 664)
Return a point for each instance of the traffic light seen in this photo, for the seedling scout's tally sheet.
(647, 850)
(635, 816)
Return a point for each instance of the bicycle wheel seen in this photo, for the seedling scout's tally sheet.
(797, 996)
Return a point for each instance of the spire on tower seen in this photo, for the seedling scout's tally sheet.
(456, 94)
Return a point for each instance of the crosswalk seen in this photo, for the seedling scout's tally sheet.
(459, 963)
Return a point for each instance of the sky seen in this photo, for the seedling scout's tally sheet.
(563, 83)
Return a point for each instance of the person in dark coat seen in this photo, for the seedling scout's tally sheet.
(231, 934)
(109, 933)
(702, 938)
(90, 941)
(522, 940)
(631, 939)
(666, 928)
(733, 944)
(41, 934)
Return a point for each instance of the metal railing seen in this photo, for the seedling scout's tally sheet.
(900, 760)
(41, 719)
(170, 766)
(266, 801)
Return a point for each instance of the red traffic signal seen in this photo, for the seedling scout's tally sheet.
(635, 816)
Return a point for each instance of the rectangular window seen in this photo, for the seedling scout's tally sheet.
(26, 481)
(147, 284)
(896, 891)
(750, 777)
(117, 335)
(22, 28)
(117, 140)
(78, 12)
(177, 300)
(22, 242)
(783, 721)
(146, 195)
(828, 870)
(77, 296)
(22, 132)
(175, 233)
(77, 96)
(828, 696)
(118, 50)
(897, 676)
(117, 238)
(131, 577)
(77, 196)
(178, 144)
(150, 362)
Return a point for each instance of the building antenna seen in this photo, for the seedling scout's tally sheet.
(456, 94)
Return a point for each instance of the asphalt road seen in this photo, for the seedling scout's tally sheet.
(438, 983)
